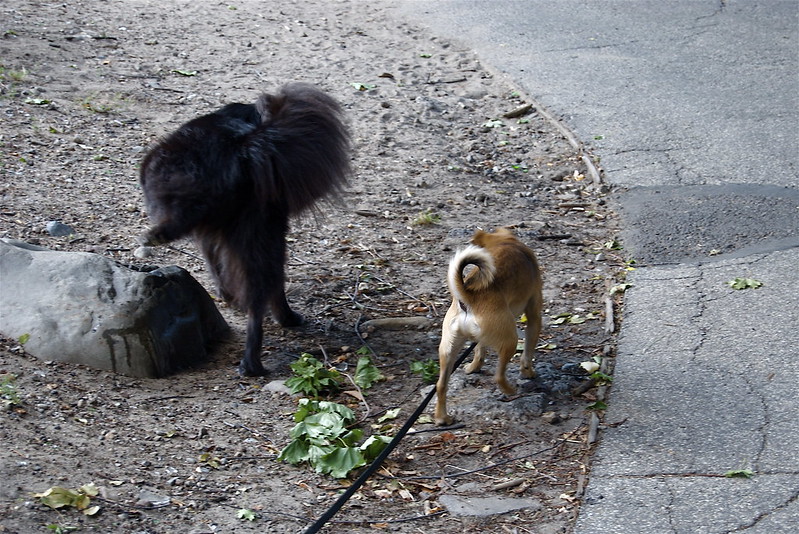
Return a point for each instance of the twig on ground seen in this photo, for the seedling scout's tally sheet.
(610, 321)
(186, 252)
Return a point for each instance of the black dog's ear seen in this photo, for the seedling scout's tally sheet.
(268, 105)
(244, 112)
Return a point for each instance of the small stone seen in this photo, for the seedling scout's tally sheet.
(461, 506)
(143, 252)
(552, 418)
(58, 229)
(149, 499)
(278, 386)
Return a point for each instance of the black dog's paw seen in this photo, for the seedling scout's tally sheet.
(291, 319)
(251, 369)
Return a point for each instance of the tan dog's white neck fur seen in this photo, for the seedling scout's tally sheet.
(505, 283)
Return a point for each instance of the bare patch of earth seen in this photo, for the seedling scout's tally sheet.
(87, 86)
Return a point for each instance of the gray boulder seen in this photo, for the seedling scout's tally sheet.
(87, 309)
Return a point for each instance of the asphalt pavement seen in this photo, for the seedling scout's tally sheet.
(693, 110)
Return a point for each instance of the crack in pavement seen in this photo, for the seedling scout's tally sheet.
(792, 499)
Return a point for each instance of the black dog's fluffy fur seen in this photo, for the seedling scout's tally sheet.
(233, 178)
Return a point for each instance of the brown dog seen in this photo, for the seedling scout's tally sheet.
(486, 302)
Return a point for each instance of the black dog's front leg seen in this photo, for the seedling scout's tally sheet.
(155, 236)
(251, 363)
(173, 219)
(166, 231)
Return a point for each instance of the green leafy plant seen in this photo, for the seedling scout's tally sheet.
(247, 514)
(8, 391)
(363, 86)
(13, 75)
(739, 473)
(60, 529)
(389, 415)
(210, 460)
(745, 283)
(597, 406)
(80, 499)
(619, 288)
(601, 378)
(428, 369)
(427, 217)
(366, 374)
(493, 123)
(312, 378)
(572, 318)
(323, 439)
(592, 368)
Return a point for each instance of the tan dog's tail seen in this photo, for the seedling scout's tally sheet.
(479, 279)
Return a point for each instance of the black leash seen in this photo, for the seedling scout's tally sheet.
(375, 465)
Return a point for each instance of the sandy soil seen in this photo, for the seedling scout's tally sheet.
(87, 86)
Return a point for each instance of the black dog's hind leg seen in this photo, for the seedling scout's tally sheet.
(282, 312)
(272, 266)
(251, 363)
(264, 267)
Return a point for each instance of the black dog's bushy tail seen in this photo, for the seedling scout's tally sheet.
(307, 148)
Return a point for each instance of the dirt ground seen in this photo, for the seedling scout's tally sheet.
(87, 86)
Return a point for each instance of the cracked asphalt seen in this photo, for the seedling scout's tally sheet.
(692, 109)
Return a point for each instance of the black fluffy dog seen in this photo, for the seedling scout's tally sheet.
(233, 178)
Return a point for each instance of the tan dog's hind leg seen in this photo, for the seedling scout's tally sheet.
(506, 352)
(531, 335)
(451, 343)
(479, 357)
(505, 340)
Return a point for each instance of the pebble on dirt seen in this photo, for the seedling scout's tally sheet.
(59, 229)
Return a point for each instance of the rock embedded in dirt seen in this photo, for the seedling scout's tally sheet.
(485, 506)
(552, 418)
(83, 308)
(143, 252)
(59, 229)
